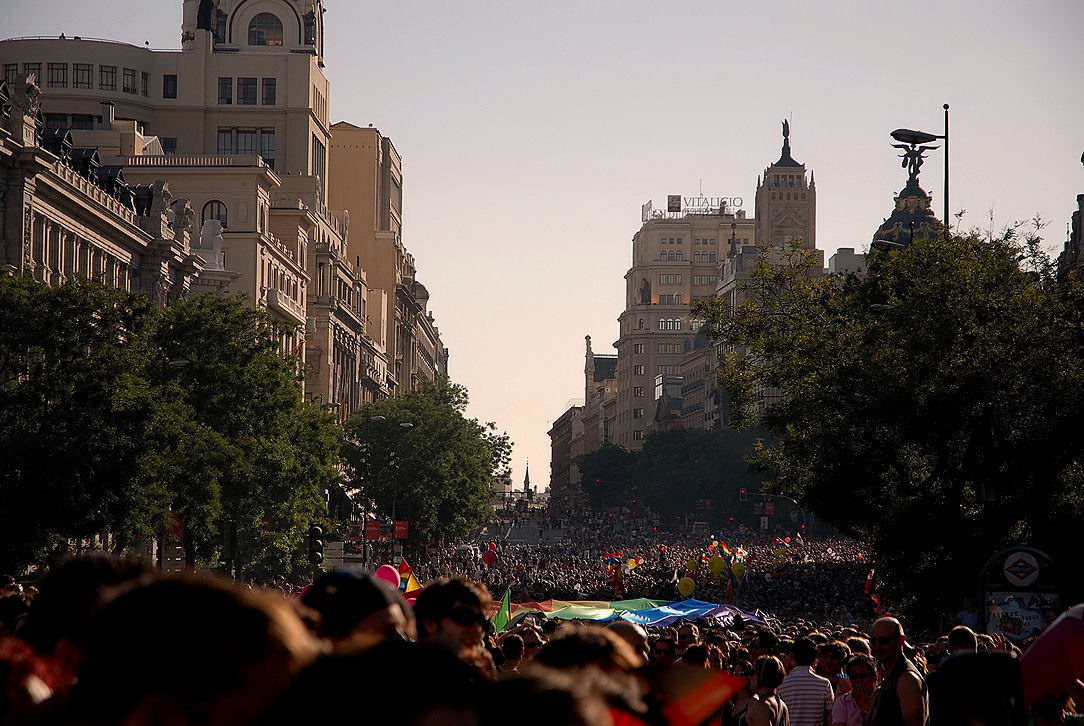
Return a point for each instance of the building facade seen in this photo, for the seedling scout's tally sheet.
(64, 216)
(366, 180)
(237, 122)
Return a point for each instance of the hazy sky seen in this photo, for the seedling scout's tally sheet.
(531, 133)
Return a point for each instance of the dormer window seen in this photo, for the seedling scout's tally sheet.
(265, 29)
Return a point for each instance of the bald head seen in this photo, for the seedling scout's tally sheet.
(886, 639)
(632, 634)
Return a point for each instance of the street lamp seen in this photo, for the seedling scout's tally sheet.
(909, 136)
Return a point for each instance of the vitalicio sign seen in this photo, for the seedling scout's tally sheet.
(678, 203)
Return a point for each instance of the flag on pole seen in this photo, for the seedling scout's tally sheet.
(412, 585)
(504, 612)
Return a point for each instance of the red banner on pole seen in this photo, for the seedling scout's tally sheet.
(402, 529)
(372, 529)
(769, 508)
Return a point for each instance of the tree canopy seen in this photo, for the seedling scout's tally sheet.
(675, 473)
(438, 472)
(118, 418)
(931, 408)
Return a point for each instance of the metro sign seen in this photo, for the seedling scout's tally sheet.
(1021, 569)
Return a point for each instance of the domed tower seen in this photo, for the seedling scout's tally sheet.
(786, 202)
(913, 216)
(291, 26)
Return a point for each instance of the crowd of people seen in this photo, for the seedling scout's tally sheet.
(102, 641)
(823, 577)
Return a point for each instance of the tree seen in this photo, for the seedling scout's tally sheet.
(118, 420)
(269, 457)
(932, 408)
(72, 412)
(438, 473)
(606, 475)
(679, 472)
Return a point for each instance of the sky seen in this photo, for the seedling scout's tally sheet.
(531, 133)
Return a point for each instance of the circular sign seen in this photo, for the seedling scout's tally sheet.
(1021, 569)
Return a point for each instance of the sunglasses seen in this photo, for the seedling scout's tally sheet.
(465, 616)
(884, 640)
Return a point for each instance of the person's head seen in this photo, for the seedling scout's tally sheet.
(186, 650)
(664, 651)
(453, 612)
(858, 646)
(962, 639)
(688, 634)
(589, 646)
(542, 697)
(633, 634)
(358, 610)
(886, 639)
(533, 640)
(861, 672)
(804, 652)
(830, 657)
(512, 648)
(695, 655)
(769, 672)
(764, 643)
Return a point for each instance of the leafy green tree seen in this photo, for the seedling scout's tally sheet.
(268, 457)
(437, 474)
(932, 408)
(72, 412)
(676, 470)
(118, 419)
(606, 475)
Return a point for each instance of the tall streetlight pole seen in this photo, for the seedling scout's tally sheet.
(948, 230)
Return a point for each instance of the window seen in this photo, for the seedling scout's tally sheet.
(169, 85)
(145, 84)
(668, 370)
(82, 122)
(107, 78)
(83, 75)
(269, 92)
(169, 145)
(130, 81)
(11, 73)
(265, 29)
(669, 324)
(34, 68)
(58, 75)
(695, 323)
(214, 209)
(637, 348)
(225, 142)
(638, 370)
(246, 91)
(669, 348)
(225, 90)
(56, 120)
(640, 325)
(669, 279)
(638, 435)
(246, 141)
(669, 299)
(319, 155)
(637, 391)
(637, 413)
(267, 146)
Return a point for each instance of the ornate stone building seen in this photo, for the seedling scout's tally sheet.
(63, 215)
(237, 121)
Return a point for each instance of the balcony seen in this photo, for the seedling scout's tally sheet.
(195, 160)
(285, 306)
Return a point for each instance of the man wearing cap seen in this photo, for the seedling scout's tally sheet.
(901, 699)
(358, 611)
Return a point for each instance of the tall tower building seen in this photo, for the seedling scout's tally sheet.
(675, 262)
(786, 202)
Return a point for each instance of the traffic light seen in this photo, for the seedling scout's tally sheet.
(744, 495)
(316, 544)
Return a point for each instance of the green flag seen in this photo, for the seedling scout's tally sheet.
(504, 612)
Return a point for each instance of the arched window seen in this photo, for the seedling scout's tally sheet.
(640, 326)
(265, 29)
(214, 209)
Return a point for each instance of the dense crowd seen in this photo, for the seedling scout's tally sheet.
(823, 578)
(102, 641)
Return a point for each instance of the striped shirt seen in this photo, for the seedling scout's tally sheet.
(807, 695)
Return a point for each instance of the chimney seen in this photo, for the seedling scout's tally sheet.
(109, 111)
